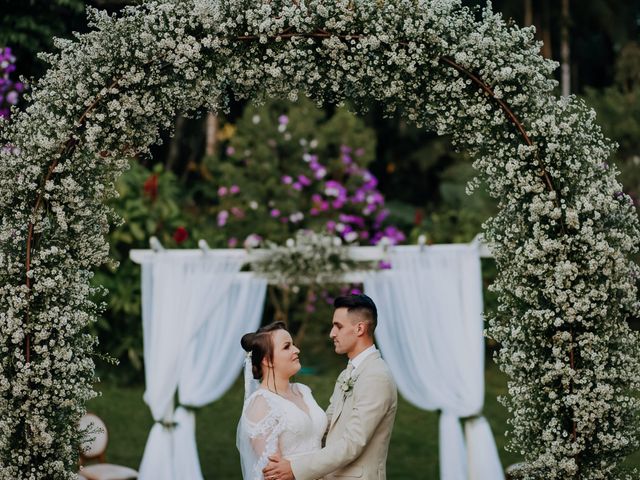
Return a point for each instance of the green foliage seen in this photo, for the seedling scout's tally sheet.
(148, 205)
(30, 26)
(618, 109)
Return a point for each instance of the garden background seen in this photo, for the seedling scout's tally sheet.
(264, 171)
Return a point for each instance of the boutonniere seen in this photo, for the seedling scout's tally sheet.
(346, 385)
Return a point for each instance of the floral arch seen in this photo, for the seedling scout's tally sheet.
(562, 240)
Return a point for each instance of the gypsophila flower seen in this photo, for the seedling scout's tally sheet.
(563, 238)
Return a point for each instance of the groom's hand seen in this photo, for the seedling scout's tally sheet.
(278, 468)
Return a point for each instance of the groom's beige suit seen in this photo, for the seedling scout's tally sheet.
(361, 415)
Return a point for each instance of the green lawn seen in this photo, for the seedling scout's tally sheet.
(414, 445)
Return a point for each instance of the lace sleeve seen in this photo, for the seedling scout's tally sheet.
(259, 431)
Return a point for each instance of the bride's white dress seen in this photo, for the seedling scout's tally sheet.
(272, 424)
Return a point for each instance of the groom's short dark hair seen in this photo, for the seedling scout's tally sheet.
(361, 305)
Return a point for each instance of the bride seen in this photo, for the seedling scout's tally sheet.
(278, 417)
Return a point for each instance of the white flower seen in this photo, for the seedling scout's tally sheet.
(566, 283)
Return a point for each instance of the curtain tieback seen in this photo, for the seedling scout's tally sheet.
(475, 416)
(471, 417)
(189, 408)
(167, 425)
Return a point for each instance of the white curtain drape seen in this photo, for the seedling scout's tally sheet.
(194, 313)
(430, 333)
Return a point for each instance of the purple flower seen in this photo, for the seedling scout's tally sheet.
(334, 189)
(371, 183)
(359, 196)
(234, 189)
(222, 218)
(331, 226)
(274, 213)
(383, 265)
(351, 236)
(375, 198)
(286, 179)
(368, 210)
(252, 240)
(304, 180)
(355, 291)
(230, 150)
(346, 159)
(222, 191)
(12, 97)
(297, 186)
(360, 152)
(320, 173)
(353, 219)
(283, 120)
(394, 235)
(237, 212)
(233, 241)
(345, 149)
(319, 204)
(382, 215)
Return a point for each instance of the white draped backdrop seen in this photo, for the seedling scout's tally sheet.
(196, 308)
(430, 333)
(194, 313)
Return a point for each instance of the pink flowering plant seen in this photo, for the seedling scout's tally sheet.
(288, 168)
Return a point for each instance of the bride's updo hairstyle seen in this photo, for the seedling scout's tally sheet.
(260, 344)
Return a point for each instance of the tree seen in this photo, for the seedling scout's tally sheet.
(618, 109)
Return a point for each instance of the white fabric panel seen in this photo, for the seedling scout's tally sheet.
(430, 334)
(214, 356)
(192, 325)
(482, 452)
(452, 449)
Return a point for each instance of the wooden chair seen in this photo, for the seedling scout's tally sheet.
(94, 449)
(513, 471)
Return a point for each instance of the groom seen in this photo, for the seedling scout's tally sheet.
(362, 408)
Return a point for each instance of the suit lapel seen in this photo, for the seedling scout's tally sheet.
(340, 395)
(338, 400)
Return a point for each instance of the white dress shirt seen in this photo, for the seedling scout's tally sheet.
(358, 359)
